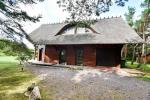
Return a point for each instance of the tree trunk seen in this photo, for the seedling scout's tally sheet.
(133, 54)
(143, 46)
(126, 51)
(75, 31)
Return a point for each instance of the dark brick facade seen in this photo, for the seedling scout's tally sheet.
(89, 54)
(70, 55)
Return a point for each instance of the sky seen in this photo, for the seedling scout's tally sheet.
(51, 13)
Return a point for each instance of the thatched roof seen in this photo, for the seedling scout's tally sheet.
(109, 31)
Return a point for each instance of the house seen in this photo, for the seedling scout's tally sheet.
(97, 45)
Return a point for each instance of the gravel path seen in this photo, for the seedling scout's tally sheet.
(87, 84)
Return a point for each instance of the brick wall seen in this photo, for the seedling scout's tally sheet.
(70, 55)
(51, 55)
(89, 55)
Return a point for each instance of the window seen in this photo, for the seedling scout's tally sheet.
(79, 56)
(62, 56)
(79, 31)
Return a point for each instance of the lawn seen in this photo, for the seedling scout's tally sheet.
(13, 81)
(8, 59)
(143, 67)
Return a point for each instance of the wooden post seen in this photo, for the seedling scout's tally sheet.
(35, 52)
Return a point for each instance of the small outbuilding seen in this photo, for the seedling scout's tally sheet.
(97, 45)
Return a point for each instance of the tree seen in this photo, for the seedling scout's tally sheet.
(129, 17)
(12, 48)
(11, 17)
(144, 26)
(80, 10)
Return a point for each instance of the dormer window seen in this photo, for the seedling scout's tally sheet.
(80, 30)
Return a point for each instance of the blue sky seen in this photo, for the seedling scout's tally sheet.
(51, 13)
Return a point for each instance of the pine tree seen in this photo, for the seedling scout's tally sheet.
(11, 17)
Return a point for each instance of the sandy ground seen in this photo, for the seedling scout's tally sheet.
(90, 84)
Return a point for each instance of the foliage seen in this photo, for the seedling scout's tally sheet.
(22, 57)
(80, 10)
(11, 48)
(145, 14)
(130, 51)
(12, 16)
(129, 16)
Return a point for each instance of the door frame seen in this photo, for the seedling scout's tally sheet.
(40, 54)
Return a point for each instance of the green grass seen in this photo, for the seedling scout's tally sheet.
(8, 59)
(129, 65)
(143, 67)
(145, 77)
(13, 81)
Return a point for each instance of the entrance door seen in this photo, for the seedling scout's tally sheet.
(105, 57)
(62, 56)
(40, 54)
(79, 56)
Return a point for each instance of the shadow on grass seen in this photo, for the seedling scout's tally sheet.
(16, 96)
(11, 77)
(12, 82)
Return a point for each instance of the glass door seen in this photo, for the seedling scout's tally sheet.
(62, 56)
(79, 56)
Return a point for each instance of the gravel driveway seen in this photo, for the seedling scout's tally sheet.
(68, 84)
